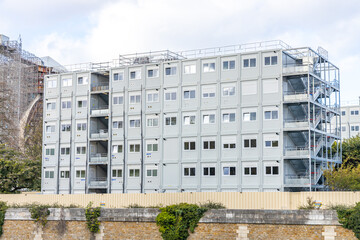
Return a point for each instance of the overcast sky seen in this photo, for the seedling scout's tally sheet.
(76, 31)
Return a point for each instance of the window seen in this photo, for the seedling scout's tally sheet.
(271, 115)
(190, 69)
(343, 113)
(81, 127)
(208, 93)
(209, 171)
(65, 151)
(117, 148)
(153, 122)
(271, 60)
(189, 120)
(117, 173)
(251, 62)
(118, 100)
(135, 74)
(208, 145)
(66, 104)
(170, 71)
(228, 91)
(118, 76)
(227, 65)
(134, 99)
(52, 84)
(49, 174)
(249, 143)
(80, 173)
(152, 73)
(134, 148)
(151, 172)
(228, 117)
(80, 150)
(50, 152)
(170, 96)
(134, 172)
(64, 174)
(82, 80)
(209, 67)
(250, 171)
(343, 128)
(152, 147)
(117, 124)
(82, 104)
(170, 121)
(354, 112)
(249, 116)
(50, 129)
(355, 128)
(229, 171)
(65, 127)
(189, 94)
(135, 123)
(271, 143)
(229, 145)
(189, 146)
(50, 106)
(209, 118)
(67, 82)
(272, 170)
(189, 172)
(153, 97)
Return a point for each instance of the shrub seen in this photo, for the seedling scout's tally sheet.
(92, 214)
(3, 208)
(39, 213)
(350, 218)
(175, 221)
(212, 205)
(310, 204)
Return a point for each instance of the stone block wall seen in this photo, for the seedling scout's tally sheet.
(216, 224)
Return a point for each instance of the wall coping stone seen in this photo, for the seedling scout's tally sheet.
(236, 216)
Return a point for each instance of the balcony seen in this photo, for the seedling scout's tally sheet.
(100, 182)
(100, 87)
(98, 158)
(293, 96)
(296, 180)
(296, 124)
(100, 111)
(297, 152)
(101, 134)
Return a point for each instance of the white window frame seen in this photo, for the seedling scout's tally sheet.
(51, 83)
(137, 73)
(85, 80)
(67, 82)
(208, 171)
(80, 150)
(228, 91)
(171, 118)
(118, 173)
(209, 67)
(189, 169)
(133, 147)
(155, 72)
(191, 94)
(120, 76)
(270, 60)
(80, 173)
(190, 69)
(231, 65)
(189, 119)
(135, 98)
(191, 145)
(152, 98)
(226, 117)
(134, 172)
(249, 62)
(226, 174)
(209, 118)
(170, 71)
(49, 174)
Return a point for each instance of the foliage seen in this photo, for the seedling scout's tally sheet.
(350, 218)
(212, 205)
(3, 208)
(92, 214)
(135, 205)
(175, 221)
(17, 172)
(350, 151)
(39, 213)
(345, 178)
(310, 204)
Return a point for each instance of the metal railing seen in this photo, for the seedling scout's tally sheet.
(296, 151)
(99, 87)
(98, 182)
(102, 133)
(99, 158)
(101, 110)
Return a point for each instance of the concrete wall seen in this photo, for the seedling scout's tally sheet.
(216, 224)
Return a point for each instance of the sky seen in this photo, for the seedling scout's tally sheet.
(78, 31)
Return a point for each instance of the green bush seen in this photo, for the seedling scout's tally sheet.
(92, 214)
(175, 221)
(39, 213)
(212, 205)
(3, 208)
(350, 218)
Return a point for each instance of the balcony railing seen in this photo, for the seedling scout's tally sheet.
(299, 180)
(100, 111)
(296, 151)
(295, 96)
(100, 87)
(98, 182)
(101, 134)
(296, 123)
(99, 158)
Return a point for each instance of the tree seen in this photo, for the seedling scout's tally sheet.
(347, 176)
(16, 171)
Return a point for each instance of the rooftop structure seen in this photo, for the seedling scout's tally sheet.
(252, 117)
